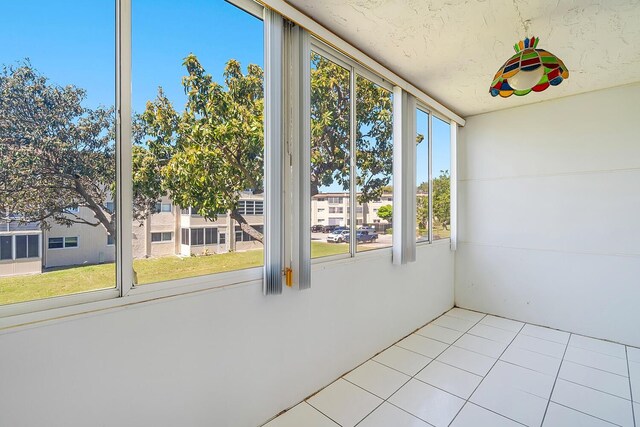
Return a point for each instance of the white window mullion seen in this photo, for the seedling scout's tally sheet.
(404, 172)
(453, 182)
(299, 144)
(430, 147)
(124, 186)
(273, 142)
(353, 202)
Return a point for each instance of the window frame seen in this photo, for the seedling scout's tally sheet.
(11, 246)
(453, 175)
(162, 239)
(27, 246)
(355, 69)
(64, 243)
(311, 34)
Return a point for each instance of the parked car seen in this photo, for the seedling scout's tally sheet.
(338, 236)
(329, 228)
(317, 228)
(364, 237)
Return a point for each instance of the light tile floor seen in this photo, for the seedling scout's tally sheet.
(468, 369)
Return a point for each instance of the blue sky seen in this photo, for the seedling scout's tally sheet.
(72, 42)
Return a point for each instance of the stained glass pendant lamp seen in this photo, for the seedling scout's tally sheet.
(530, 69)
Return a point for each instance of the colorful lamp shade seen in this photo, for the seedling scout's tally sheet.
(530, 69)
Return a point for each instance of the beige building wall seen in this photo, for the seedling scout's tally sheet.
(92, 248)
(334, 209)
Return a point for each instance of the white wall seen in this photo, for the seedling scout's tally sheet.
(549, 214)
(229, 357)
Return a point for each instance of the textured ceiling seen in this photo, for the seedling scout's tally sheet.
(452, 48)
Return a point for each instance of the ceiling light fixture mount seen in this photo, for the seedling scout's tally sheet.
(530, 69)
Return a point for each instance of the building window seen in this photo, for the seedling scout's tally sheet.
(6, 250)
(110, 240)
(197, 236)
(335, 200)
(210, 236)
(62, 242)
(336, 209)
(165, 236)
(184, 236)
(162, 207)
(27, 246)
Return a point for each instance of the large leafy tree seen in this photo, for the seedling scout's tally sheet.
(330, 131)
(211, 152)
(55, 154)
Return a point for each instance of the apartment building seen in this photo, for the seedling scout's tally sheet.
(334, 209)
(169, 230)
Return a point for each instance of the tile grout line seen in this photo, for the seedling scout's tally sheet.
(588, 415)
(411, 376)
(449, 345)
(485, 376)
(430, 385)
(316, 409)
(594, 389)
(633, 411)
(596, 369)
(555, 381)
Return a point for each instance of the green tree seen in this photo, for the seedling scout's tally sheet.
(422, 211)
(211, 152)
(330, 131)
(442, 198)
(55, 154)
(386, 212)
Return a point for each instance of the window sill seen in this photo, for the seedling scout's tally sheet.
(26, 314)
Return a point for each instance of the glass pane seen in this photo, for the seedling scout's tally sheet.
(441, 183)
(374, 164)
(70, 242)
(6, 245)
(21, 247)
(33, 244)
(330, 157)
(57, 79)
(199, 141)
(56, 243)
(422, 176)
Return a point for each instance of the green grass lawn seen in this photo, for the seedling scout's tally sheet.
(92, 277)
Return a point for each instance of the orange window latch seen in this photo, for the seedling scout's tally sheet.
(288, 273)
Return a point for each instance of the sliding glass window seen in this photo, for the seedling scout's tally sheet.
(374, 165)
(422, 176)
(330, 157)
(57, 148)
(198, 148)
(441, 178)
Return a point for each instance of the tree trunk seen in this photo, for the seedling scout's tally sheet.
(244, 226)
(95, 208)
